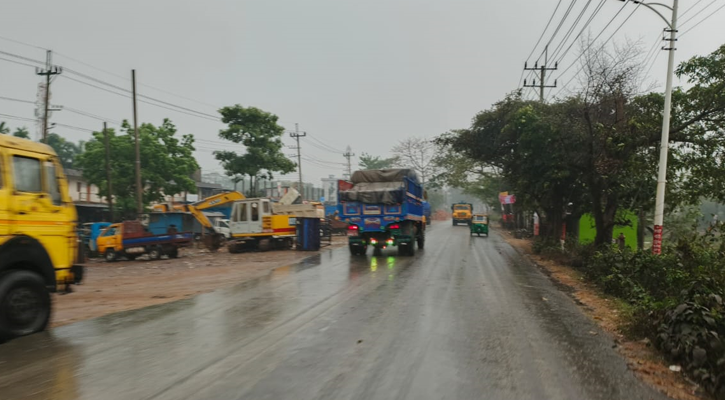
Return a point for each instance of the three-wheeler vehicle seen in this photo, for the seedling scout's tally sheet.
(479, 224)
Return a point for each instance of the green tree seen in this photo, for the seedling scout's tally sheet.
(4, 128)
(67, 151)
(598, 148)
(261, 135)
(22, 133)
(368, 161)
(167, 163)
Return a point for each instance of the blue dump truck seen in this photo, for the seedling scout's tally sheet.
(384, 208)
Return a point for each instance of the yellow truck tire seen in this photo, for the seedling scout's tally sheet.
(24, 304)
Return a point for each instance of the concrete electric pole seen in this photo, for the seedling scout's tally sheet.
(297, 135)
(49, 71)
(139, 188)
(542, 75)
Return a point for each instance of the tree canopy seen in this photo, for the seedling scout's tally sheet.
(598, 148)
(66, 150)
(167, 163)
(416, 153)
(261, 135)
(368, 161)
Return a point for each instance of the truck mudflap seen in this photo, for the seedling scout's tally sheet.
(77, 271)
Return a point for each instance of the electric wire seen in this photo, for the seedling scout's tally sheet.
(702, 20)
(539, 41)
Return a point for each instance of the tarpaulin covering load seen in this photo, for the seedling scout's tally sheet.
(378, 186)
(375, 193)
(383, 175)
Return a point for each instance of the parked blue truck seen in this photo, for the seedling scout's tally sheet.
(384, 208)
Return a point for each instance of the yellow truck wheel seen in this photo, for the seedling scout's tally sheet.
(110, 255)
(24, 304)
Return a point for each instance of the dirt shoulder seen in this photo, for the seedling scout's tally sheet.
(641, 358)
(129, 285)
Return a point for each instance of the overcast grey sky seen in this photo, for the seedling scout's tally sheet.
(359, 73)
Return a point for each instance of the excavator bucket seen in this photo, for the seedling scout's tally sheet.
(213, 241)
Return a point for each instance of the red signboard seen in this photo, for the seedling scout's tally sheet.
(508, 199)
(657, 240)
(344, 185)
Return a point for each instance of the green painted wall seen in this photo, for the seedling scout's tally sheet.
(588, 231)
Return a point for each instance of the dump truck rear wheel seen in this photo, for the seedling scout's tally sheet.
(154, 253)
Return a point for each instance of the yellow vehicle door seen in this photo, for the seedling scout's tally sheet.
(110, 238)
(39, 208)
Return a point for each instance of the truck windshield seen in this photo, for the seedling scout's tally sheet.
(462, 207)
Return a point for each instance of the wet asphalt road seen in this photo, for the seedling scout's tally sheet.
(466, 318)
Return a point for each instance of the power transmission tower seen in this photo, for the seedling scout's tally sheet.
(542, 75)
(297, 135)
(49, 71)
(348, 154)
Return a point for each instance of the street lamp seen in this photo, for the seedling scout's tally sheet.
(664, 144)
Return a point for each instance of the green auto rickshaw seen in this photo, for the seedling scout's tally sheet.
(479, 224)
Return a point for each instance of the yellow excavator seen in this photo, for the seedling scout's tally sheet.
(212, 239)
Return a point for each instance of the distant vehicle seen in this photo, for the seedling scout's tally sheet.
(89, 233)
(40, 251)
(222, 203)
(383, 208)
(222, 226)
(427, 212)
(479, 225)
(462, 213)
(130, 239)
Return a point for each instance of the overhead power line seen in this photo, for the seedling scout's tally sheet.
(556, 31)
(140, 101)
(91, 78)
(321, 143)
(683, 23)
(17, 100)
(540, 37)
(105, 71)
(583, 29)
(17, 117)
(571, 29)
(595, 41)
(116, 87)
(703, 20)
(18, 62)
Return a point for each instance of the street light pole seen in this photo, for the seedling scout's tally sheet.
(665, 140)
(664, 144)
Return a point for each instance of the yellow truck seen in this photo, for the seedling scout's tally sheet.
(462, 213)
(40, 252)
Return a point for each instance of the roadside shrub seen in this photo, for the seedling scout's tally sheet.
(691, 334)
(675, 298)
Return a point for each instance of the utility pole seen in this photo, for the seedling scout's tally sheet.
(139, 188)
(348, 154)
(665, 141)
(297, 135)
(47, 72)
(542, 75)
(109, 198)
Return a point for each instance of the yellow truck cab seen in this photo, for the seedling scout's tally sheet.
(39, 248)
(462, 213)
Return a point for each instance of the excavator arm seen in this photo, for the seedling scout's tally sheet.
(196, 209)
